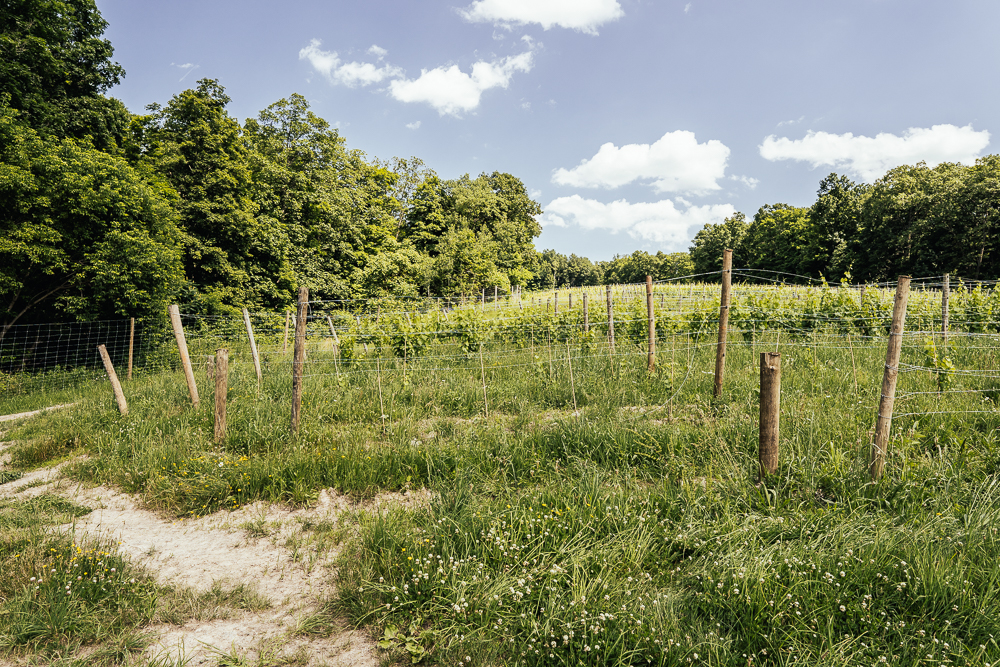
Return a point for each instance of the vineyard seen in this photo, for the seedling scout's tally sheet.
(593, 502)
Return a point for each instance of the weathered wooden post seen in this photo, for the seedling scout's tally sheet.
(131, 344)
(770, 412)
(221, 392)
(586, 314)
(945, 293)
(720, 352)
(556, 301)
(651, 353)
(116, 386)
(299, 357)
(611, 321)
(175, 321)
(253, 348)
(889, 377)
(284, 344)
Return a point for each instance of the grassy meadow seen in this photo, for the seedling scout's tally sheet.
(584, 510)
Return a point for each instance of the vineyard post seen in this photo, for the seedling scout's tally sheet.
(496, 303)
(299, 357)
(253, 348)
(116, 386)
(572, 383)
(131, 344)
(221, 389)
(888, 397)
(482, 371)
(336, 345)
(770, 412)
(175, 321)
(586, 314)
(945, 293)
(651, 355)
(284, 344)
(720, 352)
(556, 299)
(571, 301)
(611, 321)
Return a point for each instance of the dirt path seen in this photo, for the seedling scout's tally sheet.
(24, 415)
(249, 546)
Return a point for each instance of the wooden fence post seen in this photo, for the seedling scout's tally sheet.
(770, 412)
(496, 303)
(945, 293)
(253, 348)
(175, 320)
(651, 354)
(299, 356)
(611, 321)
(586, 314)
(571, 301)
(889, 377)
(556, 300)
(131, 345)
(720, 352)
(221, 391)
(284, 343)
(116, 386)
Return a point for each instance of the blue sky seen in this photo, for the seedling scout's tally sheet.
(632, 122)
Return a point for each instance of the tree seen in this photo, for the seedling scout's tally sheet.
(776, 240)
(82, 234)
(55, 66)
(710, 242)
(232, 257)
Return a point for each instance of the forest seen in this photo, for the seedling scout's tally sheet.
(105, 213)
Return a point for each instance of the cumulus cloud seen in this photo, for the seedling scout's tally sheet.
(748, 181)
(351, 74)
(676, 163)
(415, 125)
(452, 91)
(870, 157)
(660, 222)
(582, 15)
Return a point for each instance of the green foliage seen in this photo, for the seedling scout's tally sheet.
(54, 66)
(82, 233)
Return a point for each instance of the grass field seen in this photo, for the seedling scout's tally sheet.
(600, 514)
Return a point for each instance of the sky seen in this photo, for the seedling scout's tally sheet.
(632, 122)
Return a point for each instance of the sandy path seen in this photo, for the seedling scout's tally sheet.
(195, 553)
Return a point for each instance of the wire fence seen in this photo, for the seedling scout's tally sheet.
(558, 330)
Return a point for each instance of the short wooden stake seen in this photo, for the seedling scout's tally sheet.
(571, 301)
(572, 384)
(770, 412)
(496, 303)
(221, 391)
(175, 321)
(284, 344)
(651, 354)
(888, 397)
(586, 314)
(720, 352)
(253, 348)
(945, 293)
(299, 357)
(556, 301)
(482, 371)
(116, 386)
(131, 345)
(611, 320)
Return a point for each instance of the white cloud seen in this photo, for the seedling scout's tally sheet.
(415, 125)
(792, 122)
(687, 8)
(582, 15)
(659, 222)
(870, 157)
(676, 163)
(748, 181)
(378, 51)
(351, 74)
(452, 91)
